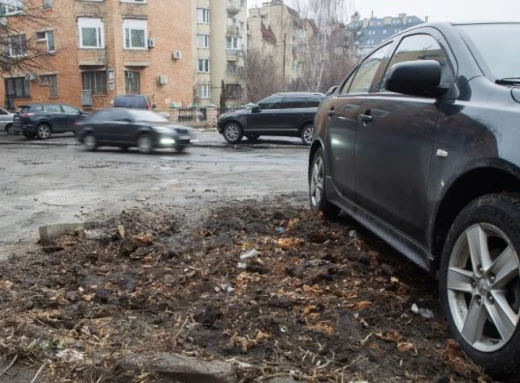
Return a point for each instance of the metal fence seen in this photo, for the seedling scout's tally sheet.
(200, 114)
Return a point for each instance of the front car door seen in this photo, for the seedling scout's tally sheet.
(266, 120)
(395, 142)
(342, 122)
(5, 118)
(71, 116)
(293, 114)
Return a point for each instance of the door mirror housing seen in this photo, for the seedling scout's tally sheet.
(255, 109)
(416, 78)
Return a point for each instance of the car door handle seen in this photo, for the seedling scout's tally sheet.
(366, 118)
(331, 113)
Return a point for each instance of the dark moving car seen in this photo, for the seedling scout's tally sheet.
(127, 128)
(282, 114)
(42, 120)
(420, 144)
(135, 101)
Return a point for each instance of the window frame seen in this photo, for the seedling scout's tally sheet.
(206, 94)
(92, 23)
(50, 80)
(234, 42)
(234, 91)
(203, 15)
(138, 23)
(22, 44)
(206, 67)
(96, 85)
(46, 40)
(26, 87)
(205, 38)
(16, 4)
(132, 1)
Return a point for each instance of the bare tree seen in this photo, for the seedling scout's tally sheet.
(261, 75)
(20, 52)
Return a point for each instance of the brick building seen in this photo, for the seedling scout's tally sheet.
(101, 48)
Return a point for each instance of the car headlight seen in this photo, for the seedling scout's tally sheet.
(162, 129)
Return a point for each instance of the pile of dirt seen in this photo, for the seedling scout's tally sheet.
(277, 289)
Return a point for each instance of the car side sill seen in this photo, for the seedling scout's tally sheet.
(416, 252)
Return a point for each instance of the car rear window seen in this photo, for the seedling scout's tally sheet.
(131, 102)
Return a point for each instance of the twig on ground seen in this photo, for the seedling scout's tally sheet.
(10, 365)
(38, 373)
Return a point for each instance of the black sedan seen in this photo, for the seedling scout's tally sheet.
(420, 144)
(127, 128)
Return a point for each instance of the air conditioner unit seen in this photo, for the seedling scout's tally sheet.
(151, 43)
(162, 80)
(177, 55)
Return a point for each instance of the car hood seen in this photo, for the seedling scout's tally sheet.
(234, 113)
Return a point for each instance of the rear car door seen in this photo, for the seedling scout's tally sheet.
(267, 120)
(395, 143)
(55, 116)
(293, 114)
(342, 122)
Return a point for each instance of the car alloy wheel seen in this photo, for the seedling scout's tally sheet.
(317, 187)
(306, 134)
(90, 142)
(480, 282)
(144, 143)
(233, 133)
(43, 131)
(10, 130)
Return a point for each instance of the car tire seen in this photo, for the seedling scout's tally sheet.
(317, 184)
(28, 135)
(9, 129)
(480, 288)
(144, 144)
(43, 131)
(233, 133)
(306, 134)
(90, 142)
(253, 137)
(180, 149)
(124, 148)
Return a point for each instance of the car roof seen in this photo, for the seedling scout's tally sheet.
(302, 94)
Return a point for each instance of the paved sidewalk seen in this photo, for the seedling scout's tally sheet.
(206, 139)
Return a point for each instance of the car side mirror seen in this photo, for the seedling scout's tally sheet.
(255, 109)
(416, 78)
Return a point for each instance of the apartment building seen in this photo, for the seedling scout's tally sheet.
(101, 48)
(279, 31)
(220, 42)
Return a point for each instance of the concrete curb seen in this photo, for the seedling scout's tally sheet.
(195, 145)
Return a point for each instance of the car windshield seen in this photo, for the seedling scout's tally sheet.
(146, 116)
(493, 43)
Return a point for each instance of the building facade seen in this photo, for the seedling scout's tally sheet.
(369, 33)
(220, 42)
(279, 31)
(98, 49)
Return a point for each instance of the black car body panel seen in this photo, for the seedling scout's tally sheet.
(275, 119)
(60, 117)
(427, 144)
(137, 101)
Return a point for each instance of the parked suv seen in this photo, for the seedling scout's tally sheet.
(282, 114)
(420, 144)
(136, 101)
(42, 120)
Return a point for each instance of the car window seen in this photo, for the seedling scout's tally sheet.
(414, 48)
(120, 115)
(131, 102)
(146, 116)
(313, 102)
(102, 115)
(364, 76)
(52, 108)
(271, 103)
(292, 102)
(70, 109)
(2, 111)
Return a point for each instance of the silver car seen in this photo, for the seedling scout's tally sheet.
(6, 121)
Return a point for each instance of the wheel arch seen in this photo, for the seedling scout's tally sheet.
(233, 121)
(306, 123)
(468, 186)
(42, 122)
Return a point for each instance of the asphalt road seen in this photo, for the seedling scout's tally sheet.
(42, 184)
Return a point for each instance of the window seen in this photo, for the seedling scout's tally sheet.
(274, 102)
(135, 34)
(17, 87)
(418, 47)
(132, 82)
(91, 33)
(203, 65)
(294, 102)
(10, 7)
(52, 108)
(313, 102)
(366, 72)
(233, 91)
(232, 68)
(204, 91)
(233, 42)
(46, 37)
(47, 3)
(96, 82)
(16, 46)
(202, 16)
(203, 41)
(52, 81)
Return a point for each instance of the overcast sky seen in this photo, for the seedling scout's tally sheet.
(436, 10)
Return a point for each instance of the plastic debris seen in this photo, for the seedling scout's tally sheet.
(425, 313)
(250, 254)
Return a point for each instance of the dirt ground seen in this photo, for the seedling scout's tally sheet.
(264, 283)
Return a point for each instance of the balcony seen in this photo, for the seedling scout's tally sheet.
(233, 30)
(233, 7)
(233, 54)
